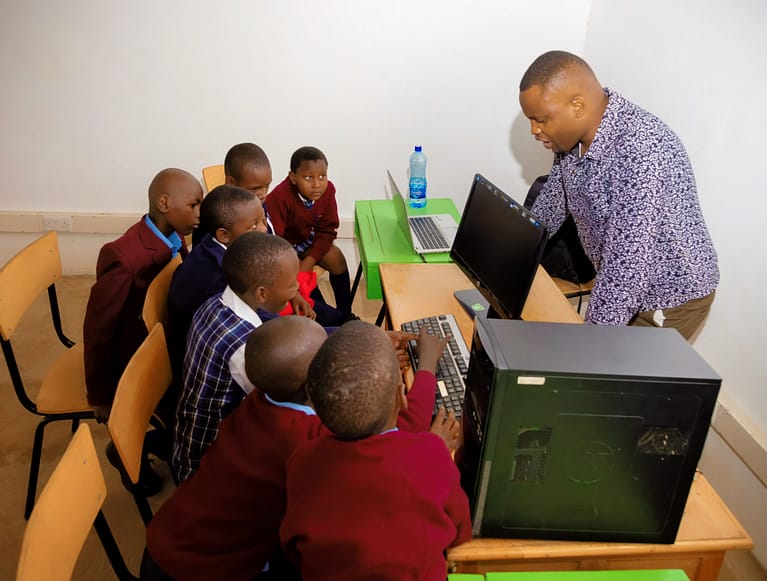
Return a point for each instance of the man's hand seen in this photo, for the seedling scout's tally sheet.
(102, 412)
(447, 427)
(302, 307)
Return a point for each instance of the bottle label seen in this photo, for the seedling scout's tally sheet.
(417, 187)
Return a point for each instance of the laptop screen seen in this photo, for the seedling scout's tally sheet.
(499, 245)
(400, 210)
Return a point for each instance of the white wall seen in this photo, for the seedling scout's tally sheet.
(98, 96)
(700, 67)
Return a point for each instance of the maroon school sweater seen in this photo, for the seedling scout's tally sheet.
(223, 522)
(386, 506)
(293, 221)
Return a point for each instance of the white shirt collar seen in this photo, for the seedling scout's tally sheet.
(240, 308)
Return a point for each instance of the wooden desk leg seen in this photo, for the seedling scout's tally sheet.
(710, 566)
(357, 278)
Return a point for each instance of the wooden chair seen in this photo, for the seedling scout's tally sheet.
(572, 290)
(62, 392)
(156, 302)
(142, 385)
(69, 505)
(213, 176)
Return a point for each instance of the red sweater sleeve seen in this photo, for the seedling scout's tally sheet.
(420, 404)
(277, 207)
(326, 226)
(106, 304)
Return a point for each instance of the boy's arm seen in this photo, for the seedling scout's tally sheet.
(457, 507)
(277, 209)
(106, 303)
(326, 226)
(420, 398)
(420, 403)
(196, 428)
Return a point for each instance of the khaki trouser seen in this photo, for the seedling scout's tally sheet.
(686, 318)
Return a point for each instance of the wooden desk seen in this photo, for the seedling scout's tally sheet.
(707, 530)
(412, 291)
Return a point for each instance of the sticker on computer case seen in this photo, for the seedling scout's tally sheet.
(530, 380)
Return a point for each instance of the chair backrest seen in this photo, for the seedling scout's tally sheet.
(142, 385)
(64, 513)
(24, 277)
(213, 176)
(156, 302)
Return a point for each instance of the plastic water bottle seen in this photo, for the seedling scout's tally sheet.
(417, 197)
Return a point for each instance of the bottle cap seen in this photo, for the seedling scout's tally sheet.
(418, 148)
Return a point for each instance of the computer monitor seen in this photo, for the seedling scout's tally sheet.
(498, 246)
(582, 432)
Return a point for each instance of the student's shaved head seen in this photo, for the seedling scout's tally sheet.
(174, 201)
(278, 354)
(354, 380)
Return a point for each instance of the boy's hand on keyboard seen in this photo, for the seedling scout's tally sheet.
(447, 427)
(399, 341)
(430, 348)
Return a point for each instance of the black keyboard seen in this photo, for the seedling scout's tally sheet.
(452, 366)
(428, 233)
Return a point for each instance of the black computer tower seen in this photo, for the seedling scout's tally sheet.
(582, 432)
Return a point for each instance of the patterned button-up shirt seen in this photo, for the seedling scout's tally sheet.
(633, 198)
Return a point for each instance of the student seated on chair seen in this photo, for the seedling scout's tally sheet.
(370, 500)
(228, 212)
(260, 271)
(223, 522)
(304, 212)
(247, 166)
(113, 328)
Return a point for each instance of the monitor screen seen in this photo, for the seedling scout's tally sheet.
(498, 246)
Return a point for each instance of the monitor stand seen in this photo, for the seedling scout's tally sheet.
(473, 302)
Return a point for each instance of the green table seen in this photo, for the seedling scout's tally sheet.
(380, 239)
(639, 575)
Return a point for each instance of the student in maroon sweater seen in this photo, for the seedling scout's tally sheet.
(370, 500)
(303, 210)
(223, 522)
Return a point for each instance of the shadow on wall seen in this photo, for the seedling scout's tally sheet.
(534, 160)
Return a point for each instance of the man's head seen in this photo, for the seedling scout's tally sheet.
(309, 172)
(563, 99)
(262, 269)
(278, 354)
(174, 201)
(355, 382)
(247, 166)
(228, 212)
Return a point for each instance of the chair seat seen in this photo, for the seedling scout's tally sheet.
(573, 289)
(63, 388)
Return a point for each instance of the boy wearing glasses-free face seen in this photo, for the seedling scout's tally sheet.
(303, 210)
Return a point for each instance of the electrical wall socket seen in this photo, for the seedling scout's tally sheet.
(58, 223)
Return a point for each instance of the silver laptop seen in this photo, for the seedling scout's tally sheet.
(428, 233)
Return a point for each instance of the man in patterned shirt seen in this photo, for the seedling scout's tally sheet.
(627, 181)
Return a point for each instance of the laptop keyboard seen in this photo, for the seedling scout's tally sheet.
(428, 232)
(453, 364)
